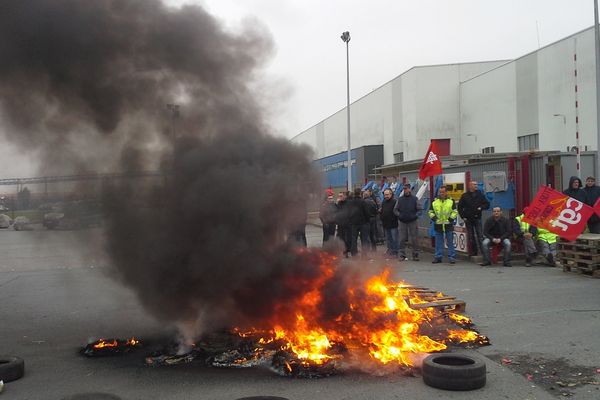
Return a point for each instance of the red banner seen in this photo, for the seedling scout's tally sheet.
(558, 213)
(432, 165)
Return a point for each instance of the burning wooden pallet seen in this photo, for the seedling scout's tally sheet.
(582, 255)
(434, 299)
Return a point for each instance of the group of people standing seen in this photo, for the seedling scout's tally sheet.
(359, 214)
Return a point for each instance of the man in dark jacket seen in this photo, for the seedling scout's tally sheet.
(497, 229)
(592, 193)
(342, 221)
(327, 216)
(575, 189)
(389, 221)
(358, 216)
(373, 209)
(407, 209)
(470, 205)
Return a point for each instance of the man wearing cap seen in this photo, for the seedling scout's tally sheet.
(592, 193)
(407, 209)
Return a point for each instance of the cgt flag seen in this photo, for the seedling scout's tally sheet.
(558, 213)
(431, 163)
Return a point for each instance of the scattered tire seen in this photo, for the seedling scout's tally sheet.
(11, 368)
(454, 372)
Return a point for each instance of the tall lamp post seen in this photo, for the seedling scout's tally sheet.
(597, 46)
(346, 38)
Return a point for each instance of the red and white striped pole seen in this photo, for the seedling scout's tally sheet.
(577, 114)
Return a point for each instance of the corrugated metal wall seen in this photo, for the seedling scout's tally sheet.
(537, 175)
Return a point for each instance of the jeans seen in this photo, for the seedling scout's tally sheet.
(475, 236)
(391, 235)
(439, 244)
(407, 230)
(547, 248)
(486, 250)
(529, 246)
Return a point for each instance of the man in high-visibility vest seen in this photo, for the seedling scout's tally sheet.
(442, 212)
(547, 243)
(526, 233)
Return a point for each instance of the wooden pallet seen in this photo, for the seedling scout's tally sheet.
(579, 247)
(581, 268)
(431, 299)
(580, 257)
(588, 239)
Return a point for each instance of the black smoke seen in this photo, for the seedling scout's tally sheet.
(85, 85)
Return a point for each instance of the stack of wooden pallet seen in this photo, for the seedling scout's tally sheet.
(581, 255)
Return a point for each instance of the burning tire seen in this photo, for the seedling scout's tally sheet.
(454, 372)
(11, 368)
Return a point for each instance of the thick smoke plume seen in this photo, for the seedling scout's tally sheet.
(85, 84)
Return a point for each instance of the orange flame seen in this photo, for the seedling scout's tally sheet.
(375, 321)
(103, 343)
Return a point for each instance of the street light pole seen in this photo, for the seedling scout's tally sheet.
(597, 43)
(346, 39)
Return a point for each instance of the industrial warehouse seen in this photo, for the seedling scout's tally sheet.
(542, 103)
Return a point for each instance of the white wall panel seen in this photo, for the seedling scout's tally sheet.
(488, 111)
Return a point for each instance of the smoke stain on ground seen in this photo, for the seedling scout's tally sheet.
(555, 375)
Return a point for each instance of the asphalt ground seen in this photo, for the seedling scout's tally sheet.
(56, 294)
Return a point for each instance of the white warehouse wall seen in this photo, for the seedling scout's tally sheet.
(488, 115)
(476, 105)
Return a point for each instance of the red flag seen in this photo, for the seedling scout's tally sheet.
(432, 165)
(558, 213)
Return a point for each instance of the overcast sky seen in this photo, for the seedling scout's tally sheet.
(388, 38)
(305, 79)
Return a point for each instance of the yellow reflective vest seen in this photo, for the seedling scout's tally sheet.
(547, 236)
(443, 210)
(524, 225)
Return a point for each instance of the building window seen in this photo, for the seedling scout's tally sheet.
(488, 150)
(528, 142)
(398, 157)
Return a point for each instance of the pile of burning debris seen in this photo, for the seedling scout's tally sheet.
(385, 328)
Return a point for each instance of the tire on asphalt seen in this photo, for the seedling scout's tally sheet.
(11, 368)
(454, 372)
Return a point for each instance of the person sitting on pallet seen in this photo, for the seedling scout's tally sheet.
(547, 242)
(526, 234)
(496, 230)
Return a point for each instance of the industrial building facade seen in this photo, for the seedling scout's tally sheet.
(533, 103)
